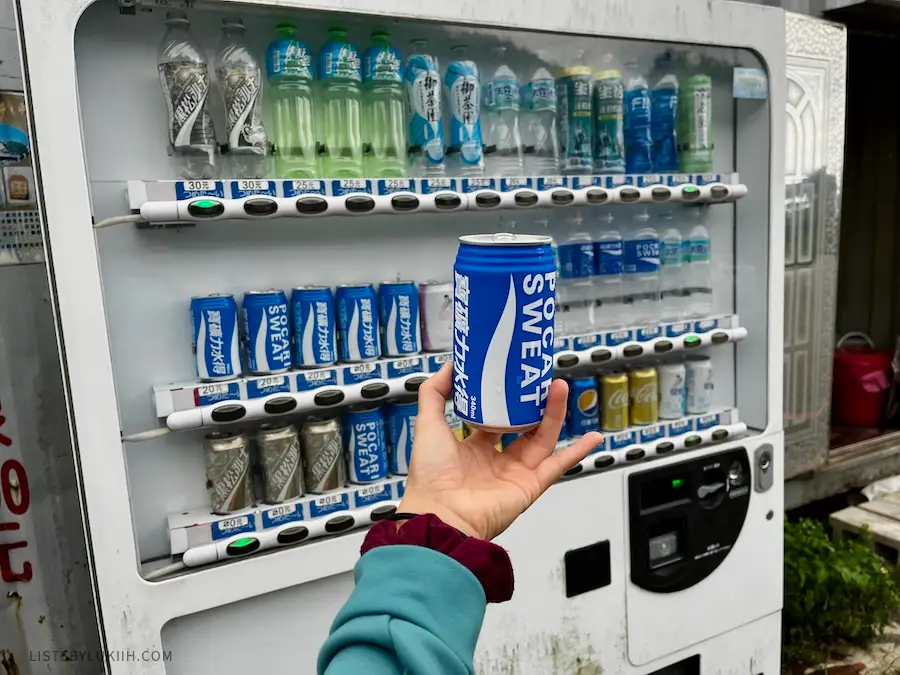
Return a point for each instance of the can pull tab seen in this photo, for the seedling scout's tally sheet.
(504, 236)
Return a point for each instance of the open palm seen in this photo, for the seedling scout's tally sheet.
(471, 486)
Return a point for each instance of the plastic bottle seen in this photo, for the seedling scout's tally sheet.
(503, 154)
(384, 109)
(541, 144)
(672, 271)
(289, 68)
(241, 86)
(700, 267)
(184, 76)
(608, 254)
(608, 111)
(642, 270)
(576, 259)
(664, 112)
(695, 119)
(462, 86)
(341, 105)
(637, 121)
(426, 124)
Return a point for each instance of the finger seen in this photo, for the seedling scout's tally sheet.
(552, 468)
(434, 392)
(481, 436)
(535, 446)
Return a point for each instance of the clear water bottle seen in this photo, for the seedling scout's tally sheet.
(241, 84)
(576, 261)
(672, 271)
(184, 76)
(503, 154)
(384, 107)
(542, 226)
(637, 121)
(341, 107)
(462, 84)
(541, 144)
(425, 120)
(700, 267)
(608, 256)
(289, 68)
(642, 270)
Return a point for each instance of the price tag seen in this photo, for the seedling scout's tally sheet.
(516, 183)
(313, 379)
(228, 527)
(750, 83)
(360, 372)
(429, 186)
(190, 189)
(400, 367)
(326, 504)
(388, 186)
(264, 386)
(436, 361)
(621, 440)
(206, 394)
(252, 186)
(680, 427)
(473, 184)
(550, 182)
(309, 186)
(278, 515)
(346, 186)
(619, 180)
(707, 421)
(619, 337)
(371, 494)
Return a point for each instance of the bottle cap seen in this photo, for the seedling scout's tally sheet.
(176, 16)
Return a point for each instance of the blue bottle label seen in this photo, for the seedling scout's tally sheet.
(576, 122)
(576, 260)
(671, 252)
(641, 255)
(699, 250)
(664, 106)
(540, 95)
(502, 93)
(685, 251)
(463, 87)
(609, 132)
(636, 103)
(339, 59)
(382, 63)
(423, 91)
(287, 57)
(610, 257)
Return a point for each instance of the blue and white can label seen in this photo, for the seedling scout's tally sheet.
(462, 84)
(401, 427)
(398, 305)
(214, 320)
(504, 305)
(312, 312)
(423, 94)
(357, 315)
(366, 444)
(267, 330)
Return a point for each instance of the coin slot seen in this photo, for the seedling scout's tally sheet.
(597, 196)
(280, 405)
(601, 356)
(718, 192)
(328, 397)
(487, 200)
(574, 471)
(412, 384)
(632, 351)
(662, 347)
(311, 206)
(629, 195)
(720, 434)
(228, 413)
(562, 197)
(692, 441)
(604, 461)
(660, 194)
(206, 208)
(567, 361)
(260, 207)
(292, 535)
(359, 204)
(447, 201)
(382, 512)
(405, 203)
(375, 390)
(635, 454)
(719, 337)
(664, 447)
(339, 524)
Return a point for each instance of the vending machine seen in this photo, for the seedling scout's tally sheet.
(252, 212)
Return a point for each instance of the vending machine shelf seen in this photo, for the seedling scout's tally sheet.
(197, 405)
(191, 201)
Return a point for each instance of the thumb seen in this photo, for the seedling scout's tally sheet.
(434, 392)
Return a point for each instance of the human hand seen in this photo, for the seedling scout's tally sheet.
(471, 486)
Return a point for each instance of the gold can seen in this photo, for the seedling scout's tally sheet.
(643, 386)
(614, 401)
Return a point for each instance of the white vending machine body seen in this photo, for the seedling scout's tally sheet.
(127, 246)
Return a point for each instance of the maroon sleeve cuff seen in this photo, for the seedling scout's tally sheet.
(488, 562)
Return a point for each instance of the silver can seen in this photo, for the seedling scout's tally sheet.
(671, 390)
(699, 386)
(279, 457)
(228, 478)
(436, 303)
(322, 445)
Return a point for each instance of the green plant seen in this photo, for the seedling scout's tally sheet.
(834, 591)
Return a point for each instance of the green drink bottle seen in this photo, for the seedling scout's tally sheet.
(384, 109)
(289, 69)
(695, 124)
(341, 107)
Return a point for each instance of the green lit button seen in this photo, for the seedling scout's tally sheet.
(691, 341)
(677, 482)
(206, 208)
(692, 441)
(690, 192)
(242, 546)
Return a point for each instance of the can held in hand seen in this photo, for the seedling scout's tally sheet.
(312, 311)
(584, 410)
(671, 390)
(214, 319)
(699, 385)
(267, 331)
(614, 401)
(504, 301)
(228, 478)
(357, 316)
(401, 428)
(643, 389)
(436, 307)
(398, 309)
(367, 452)
(279, 457)
(322, 448)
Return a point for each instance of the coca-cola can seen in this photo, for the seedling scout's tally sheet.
(279, 457)
(228, 478)
(613, 401)
(436, 307)
(643, 391)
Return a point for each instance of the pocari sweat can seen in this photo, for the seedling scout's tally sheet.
(312, 310)
(367, 449)
(504, 301)
(357, 315)
(401, 428)
(214, 320)
(267, 331)
(398, 309)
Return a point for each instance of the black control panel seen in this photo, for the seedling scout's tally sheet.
(685, 518)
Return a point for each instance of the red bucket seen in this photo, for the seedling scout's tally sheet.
(860, 384)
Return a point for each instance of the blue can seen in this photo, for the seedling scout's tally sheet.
(504, 301)
(312, 311)
(267, 331)
(398, 310)
(357, 316)
(214, 319)
(367, 448)
(401, 428)
(583, 413)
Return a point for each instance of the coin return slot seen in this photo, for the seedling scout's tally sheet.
(634, 455)
(382, 512)
(660, 194)
(206, 208)
(487, 200)
(311, 206)
(574, 471)
(526, 198)
(604, 461)
(447, 202)
(600, 356)
(692, 441)
(665, 447)
(561, 197)
(405, 203)
(719, 338)
(339, 524)
(375, 390)
(629, 195)
(412, 384)
(718, 192)
(329, 397)
(720, 434)
(662, 347)
(567, 361)
(597, 196)
(280, 405)
(228, 413)
(359, 204)
(632, 350)
(292, 535)
(260, 207)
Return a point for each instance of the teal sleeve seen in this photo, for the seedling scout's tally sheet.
(413, 610)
